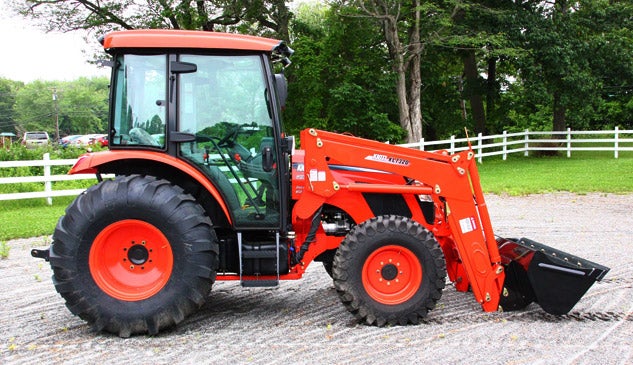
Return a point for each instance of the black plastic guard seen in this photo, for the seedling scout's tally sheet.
(558, 280)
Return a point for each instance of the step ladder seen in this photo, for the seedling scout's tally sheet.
(246, 255)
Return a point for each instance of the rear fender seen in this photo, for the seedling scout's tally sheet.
(92, 163)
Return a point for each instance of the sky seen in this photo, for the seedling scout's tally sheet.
(29, 54)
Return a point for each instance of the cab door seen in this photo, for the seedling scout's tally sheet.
(226, 104)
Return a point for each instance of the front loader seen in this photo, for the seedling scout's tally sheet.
(200, 183)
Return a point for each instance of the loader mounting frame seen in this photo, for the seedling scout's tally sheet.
(452, 181)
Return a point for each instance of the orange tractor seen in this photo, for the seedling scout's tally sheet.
(208, 187)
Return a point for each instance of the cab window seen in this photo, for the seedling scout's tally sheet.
(139, 109)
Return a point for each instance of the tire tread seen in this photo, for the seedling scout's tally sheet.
(347, 266)
(104, 201)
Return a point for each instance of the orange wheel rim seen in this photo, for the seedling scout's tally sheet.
(131, 260)
(392, 275)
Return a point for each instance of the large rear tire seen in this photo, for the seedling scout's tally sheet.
(389, 270)
(134, 255)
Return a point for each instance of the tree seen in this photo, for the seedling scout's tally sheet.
(271, 16)
(609, 35)
(576, 49)
(444, 110)
(481, 36)
(340, 79)
(8, 90)
(400, 24)
(81, 106)
(34, 107)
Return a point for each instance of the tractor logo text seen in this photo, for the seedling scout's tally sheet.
(386, 159)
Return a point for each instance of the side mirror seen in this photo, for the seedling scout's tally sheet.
(281, 86)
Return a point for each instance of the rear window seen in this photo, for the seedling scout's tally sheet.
(36, 136)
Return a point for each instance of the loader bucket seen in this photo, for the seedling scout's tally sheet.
(538, 273)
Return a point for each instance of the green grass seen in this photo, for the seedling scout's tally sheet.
(582, 173)
(30, 217)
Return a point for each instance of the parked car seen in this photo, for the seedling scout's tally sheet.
(35, 139)
(101, 140)
(85, 140)
(68, 140)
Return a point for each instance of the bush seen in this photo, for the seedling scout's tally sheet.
(20, 153)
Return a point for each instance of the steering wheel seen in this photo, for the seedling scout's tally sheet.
(229, 136)
(140, 136)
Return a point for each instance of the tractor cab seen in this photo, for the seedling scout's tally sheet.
(215, 109)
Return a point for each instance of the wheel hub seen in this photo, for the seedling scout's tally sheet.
(389, 272)
(138, 254)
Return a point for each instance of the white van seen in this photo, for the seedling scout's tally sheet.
(35, 139)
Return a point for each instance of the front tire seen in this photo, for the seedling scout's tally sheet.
(134, 255)
(389, 270)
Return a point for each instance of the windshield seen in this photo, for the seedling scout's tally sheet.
(139, 109)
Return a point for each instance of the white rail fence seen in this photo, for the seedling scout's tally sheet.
(615, 141)
(47, 178)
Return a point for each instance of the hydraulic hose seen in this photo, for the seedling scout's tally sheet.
(311, 237)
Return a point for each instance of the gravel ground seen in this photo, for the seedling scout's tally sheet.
(304, 322)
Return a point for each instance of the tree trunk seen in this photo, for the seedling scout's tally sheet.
(406, 59)
(415, 103)
(491, 89)
(403, 106)
(462, 102)
(560, 113)
(474, 93)
(390, 29)
(415, 78)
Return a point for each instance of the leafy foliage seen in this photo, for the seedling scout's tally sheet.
(8, 90)
(265, 17)
(339, 79)
(80, 106)
(487, 65)
(573, 57)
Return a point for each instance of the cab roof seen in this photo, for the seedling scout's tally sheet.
(170, 38)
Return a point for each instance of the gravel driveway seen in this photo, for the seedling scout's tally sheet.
(304, 322)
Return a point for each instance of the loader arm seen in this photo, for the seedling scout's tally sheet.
(452, 180)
